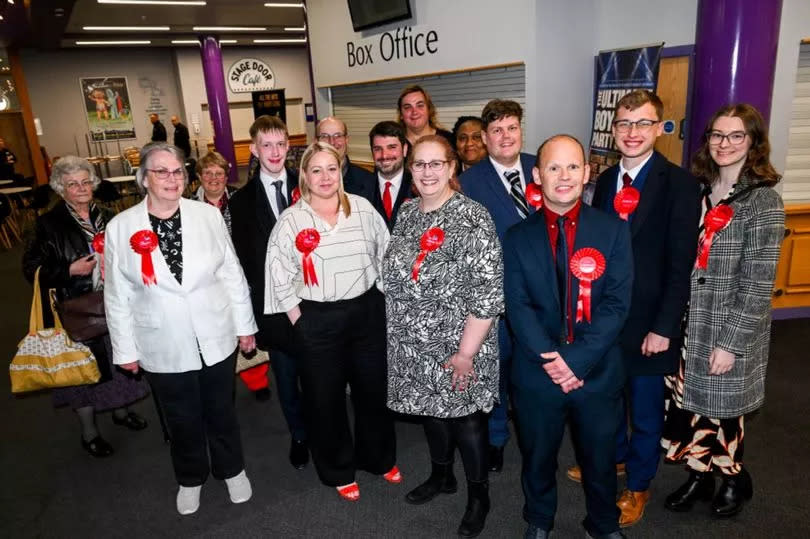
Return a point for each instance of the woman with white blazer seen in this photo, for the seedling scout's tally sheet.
(177, 303)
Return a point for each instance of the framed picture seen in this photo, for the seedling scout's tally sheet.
(107, 107)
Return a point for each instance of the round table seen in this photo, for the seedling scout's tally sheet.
(120, 179)
(14, 190)
(6, 182)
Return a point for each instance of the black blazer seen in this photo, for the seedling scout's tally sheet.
(252, 220)
(370, 190)
(664, 231)
(356, 178)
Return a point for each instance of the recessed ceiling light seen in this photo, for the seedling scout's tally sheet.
(126, 42)
(227, 41)
(277, 4)
(129, 28)
(295, 28)
(185, 42)
(302, 40)
(156, 2)
(229, 28)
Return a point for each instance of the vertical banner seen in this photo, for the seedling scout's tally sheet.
(270, 102)
(618, 72)
(107, 107)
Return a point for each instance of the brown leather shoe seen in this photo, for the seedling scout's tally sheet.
(631, 504)
(574, 473)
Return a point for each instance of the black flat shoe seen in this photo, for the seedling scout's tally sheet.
(98, 447)
(699, 487)
(132, 421)
(299, 454)
(732, 494)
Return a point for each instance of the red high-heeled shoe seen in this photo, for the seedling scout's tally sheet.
(349, 492)
(393, 475)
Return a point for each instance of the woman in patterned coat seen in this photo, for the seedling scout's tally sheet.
(443, 275)
(725, 347)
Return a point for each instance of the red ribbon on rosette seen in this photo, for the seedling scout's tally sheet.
(587, 265)
(295, 195)
(306, 241)
(716, 219)
(534, 196)
(143, 242)
(432, 239)
(98, 247)
(626, 201)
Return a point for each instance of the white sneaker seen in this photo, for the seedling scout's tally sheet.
(188, 500)
(239, 488)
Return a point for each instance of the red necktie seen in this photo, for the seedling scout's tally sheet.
(626, 180)
(387, 199)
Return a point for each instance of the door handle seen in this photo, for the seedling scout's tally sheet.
(680, 128)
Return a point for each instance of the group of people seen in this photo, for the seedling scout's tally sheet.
(181, 138)
(459, 280)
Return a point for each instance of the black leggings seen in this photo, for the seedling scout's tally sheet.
(469, 433)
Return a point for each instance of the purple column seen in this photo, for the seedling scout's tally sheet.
(735, 58)
(214, 77)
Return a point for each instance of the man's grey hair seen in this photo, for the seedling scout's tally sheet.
(70, 164)
(150, 150)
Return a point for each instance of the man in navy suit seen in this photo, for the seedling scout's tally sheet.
(567, 363)
(333, 131)
(499, 184)
(664, 228)
(390, 186)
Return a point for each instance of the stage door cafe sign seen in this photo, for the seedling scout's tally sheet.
(250, 75)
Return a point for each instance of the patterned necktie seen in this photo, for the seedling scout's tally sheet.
(626, 180)
(513, 177)
(561, 264)
(387, 200)
(281, 201)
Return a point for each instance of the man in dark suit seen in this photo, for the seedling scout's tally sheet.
(181, 137)
(254, 212)
(158, 129)
(664, 228)
(499, 183)
(333, 131)
(390, 186)
(567, 363)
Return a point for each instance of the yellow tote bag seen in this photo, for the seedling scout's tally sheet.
(47, 357)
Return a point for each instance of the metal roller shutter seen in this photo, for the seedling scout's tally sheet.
(796, 182)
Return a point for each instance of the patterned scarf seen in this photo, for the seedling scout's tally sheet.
(92, 227)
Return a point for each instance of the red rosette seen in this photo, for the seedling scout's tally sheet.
(306, 242)
(98, 247)
(626, 201)
(587, 265)
(716, 219)
(143, 242)
(432, 239)
(296, 194)
(534, 196)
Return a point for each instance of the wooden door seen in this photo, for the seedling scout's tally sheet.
(12, 129)
(673, 82)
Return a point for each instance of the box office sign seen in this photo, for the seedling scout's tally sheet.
(250, 75)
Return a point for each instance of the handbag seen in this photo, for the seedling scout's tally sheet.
(47, 357)
(245, 362)
(83, 317)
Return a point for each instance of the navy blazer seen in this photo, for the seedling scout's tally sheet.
(534, 311)
(664, 231)
(368, 187)
(482, 183)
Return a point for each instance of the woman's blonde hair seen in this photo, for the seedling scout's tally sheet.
(309, 153)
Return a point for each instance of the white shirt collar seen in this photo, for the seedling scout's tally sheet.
(633, 172)
(502, 170)
(269, 190)
(396, 183)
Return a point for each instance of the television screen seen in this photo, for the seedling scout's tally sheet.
(370, 13)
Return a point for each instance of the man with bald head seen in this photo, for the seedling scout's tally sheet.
(158, 129)
(333, 131)
(181, 136)
(568, 278)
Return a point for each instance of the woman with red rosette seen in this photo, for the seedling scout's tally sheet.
(323, 270)
(177, 307)
(443, 277)
(68, 246)
(727, 331)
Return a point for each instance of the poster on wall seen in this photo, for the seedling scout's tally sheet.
(618, 72)
(270, 102)
(108, 108)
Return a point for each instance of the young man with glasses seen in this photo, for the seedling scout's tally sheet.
(333, 131)
(663, 224)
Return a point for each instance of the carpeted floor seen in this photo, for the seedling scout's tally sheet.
(51, 488)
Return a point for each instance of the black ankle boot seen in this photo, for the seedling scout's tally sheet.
(699, 486)
(441, 481)
(475, 516)
(733, 493)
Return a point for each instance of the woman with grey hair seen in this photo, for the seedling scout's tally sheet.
(177, 307)
(63, 248)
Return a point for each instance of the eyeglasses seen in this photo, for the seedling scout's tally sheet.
(209, 174)
(165, 174)
(75, 185)
(735, 137)
(623, 126)
(325, 137)
(435, 166)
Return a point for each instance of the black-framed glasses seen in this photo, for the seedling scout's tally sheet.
(435, 166)
(165, 174)
(715, 138)
(623, 126)
(326, 137)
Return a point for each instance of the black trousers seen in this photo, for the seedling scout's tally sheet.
(345, 342)
(469, 433)
(200, 416)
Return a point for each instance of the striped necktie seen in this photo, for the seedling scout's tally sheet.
(516, 191)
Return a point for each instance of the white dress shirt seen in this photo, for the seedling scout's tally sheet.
(633, 172)
(270, 189)
(396, 183)
(502, 170)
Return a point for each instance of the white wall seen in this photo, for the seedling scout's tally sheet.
(623, 23)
